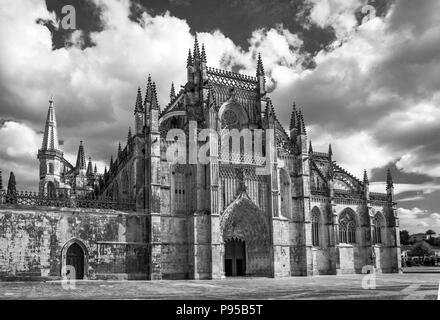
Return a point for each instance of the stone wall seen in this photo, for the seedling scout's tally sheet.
(33, 241)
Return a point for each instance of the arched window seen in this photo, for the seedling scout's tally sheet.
(315, 228)
(51, 169)
(51, 191)
(347, 228)
(351, 229)
(377, 229)
(342, 232)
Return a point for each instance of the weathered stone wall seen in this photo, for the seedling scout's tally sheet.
(32, 242)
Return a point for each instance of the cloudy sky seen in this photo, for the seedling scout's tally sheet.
(368, 82)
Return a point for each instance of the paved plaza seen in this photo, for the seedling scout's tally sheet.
(413, 286)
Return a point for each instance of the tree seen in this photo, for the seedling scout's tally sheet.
(404, 237)
(11, 196)
(12, 189)
(421, 249)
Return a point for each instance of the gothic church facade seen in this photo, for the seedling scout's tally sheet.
(306, 216)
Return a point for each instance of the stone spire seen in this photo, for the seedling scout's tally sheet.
(301, 124)
(366, 181)
(172, 92)
(148, 92)
(138, 107)
(293, 118)
(330, 152)
(119, 149)
(203, 54)
(95, 170)
(196, 48)
(189, 59)
(390, 183)
(90, 167)
(129, 135)
(154, 103)
(1, 180)
(260, 68)
(50, 139)
(111, 162)
(310, 147)
(80, 159)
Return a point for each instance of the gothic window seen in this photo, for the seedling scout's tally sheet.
(51, 169)
(347, 229)
(342, 232)
(51, 193)
(377, 230)
(315, 228)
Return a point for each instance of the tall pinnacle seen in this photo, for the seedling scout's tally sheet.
(138, 107)
(1, 180)
(172, 92)
(203, 54)
(80, 159)
(390, 183)
(196, 48)
(260, 68)
(310, 147)
(366, 181)
(330, 152)
(189, 60)
(50, 139)
(149, 92)
(154, 102)
(293, 118)
(90, 167)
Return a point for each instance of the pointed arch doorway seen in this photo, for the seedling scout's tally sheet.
(74, 254)
(235, 258)
(75, 258)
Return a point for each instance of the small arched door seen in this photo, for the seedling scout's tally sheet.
(75, 258)
(235, 258)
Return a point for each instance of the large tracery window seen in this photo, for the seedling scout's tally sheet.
(315, 228)
(347, 229)
(377, 230)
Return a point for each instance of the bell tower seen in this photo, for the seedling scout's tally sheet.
(50, 155)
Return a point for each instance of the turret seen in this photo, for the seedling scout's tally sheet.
(50, 155)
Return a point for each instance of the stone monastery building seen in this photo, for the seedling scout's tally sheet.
(306, 216)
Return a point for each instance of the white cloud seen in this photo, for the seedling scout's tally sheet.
(417, 220)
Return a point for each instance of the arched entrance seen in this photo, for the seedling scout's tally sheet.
(235, 258)
(75, 258)
(246, 239)
(74, 254)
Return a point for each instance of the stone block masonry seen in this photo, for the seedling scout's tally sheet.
(34, 243)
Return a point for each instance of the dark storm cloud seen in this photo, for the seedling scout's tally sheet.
(88, 19)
